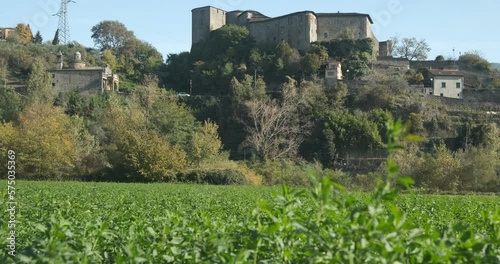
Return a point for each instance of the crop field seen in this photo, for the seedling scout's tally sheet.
(72, 222)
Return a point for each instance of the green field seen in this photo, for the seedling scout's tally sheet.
(72, 222)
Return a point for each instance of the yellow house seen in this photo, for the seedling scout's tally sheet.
(447, 83)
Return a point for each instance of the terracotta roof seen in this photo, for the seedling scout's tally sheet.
(437, 72)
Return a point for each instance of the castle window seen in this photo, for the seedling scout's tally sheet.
(459, 85)
(53, 85)
(301, 18)
(443, 85)
(326, 35)
(53, 75)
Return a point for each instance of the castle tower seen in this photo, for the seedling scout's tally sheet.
(78, 63)
(205, 20)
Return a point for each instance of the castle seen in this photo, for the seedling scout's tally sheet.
(299, 29)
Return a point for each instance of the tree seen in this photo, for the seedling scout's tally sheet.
(56, 41)
(38, 38)
(439, 58)
(474, 60)
(176, 74)
(411, 48)
(39, 84)
(25, 34)
(109, 58)
(14, 38)
(310, 63)
(111, 35)
(273, 127)
(136, 151)
(10, 104)
(51, 144)
(205, 143)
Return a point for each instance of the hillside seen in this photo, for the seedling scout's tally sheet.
(496, 66)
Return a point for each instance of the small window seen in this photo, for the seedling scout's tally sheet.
(441, 95)
(53, 84)
(326, 35)
(301, 18)
(53, 75)
(331, 73)
(459, 85)
(274, 38)
(458, 95)
(290, 21)
(443, 85)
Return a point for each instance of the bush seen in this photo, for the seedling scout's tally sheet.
(288, 172)
(215, 177)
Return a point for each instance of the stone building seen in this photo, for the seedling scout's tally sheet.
(82, 78)
(333, 73)
(299, 29)
(446, 82)
(4, 32)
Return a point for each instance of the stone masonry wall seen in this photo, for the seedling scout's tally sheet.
(297, 29)
(85, 81)
(205, 20)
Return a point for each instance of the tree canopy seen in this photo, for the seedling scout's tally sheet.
(410, 48)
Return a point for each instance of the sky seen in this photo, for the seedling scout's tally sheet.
(446, 25)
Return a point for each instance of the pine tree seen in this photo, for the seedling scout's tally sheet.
(38, 38)
(56, 38)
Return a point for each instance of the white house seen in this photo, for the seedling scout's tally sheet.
(447, 83)
(333, 73)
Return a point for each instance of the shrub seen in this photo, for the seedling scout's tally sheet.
(288, 172)
(215, 177)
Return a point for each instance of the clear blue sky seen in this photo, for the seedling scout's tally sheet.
(446, 24)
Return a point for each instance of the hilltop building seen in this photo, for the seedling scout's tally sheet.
(446, 83)
(299, 29)
(5, 32)
(82, 78)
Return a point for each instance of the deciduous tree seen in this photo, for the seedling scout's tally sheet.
(111, 35)
(25, 34)
(410, 48)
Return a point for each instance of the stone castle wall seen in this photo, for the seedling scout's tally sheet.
(298, 29)
(85, 81)
(205, 20)
(432, 64)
